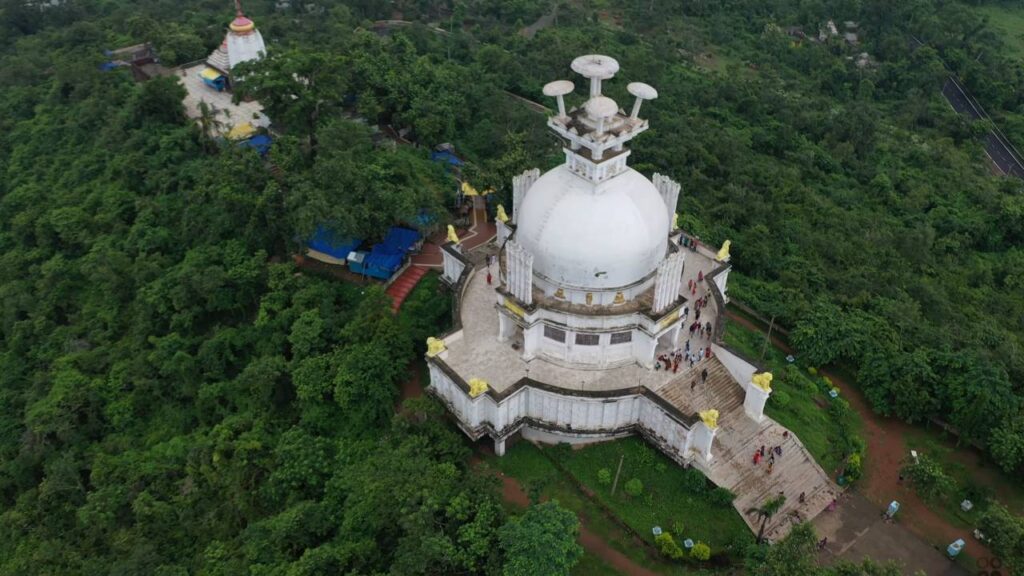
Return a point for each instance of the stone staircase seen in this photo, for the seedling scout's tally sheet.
(732, 466)
(403, 285)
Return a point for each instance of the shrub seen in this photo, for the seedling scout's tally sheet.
(693, 481)
(700, 551)
(1005, 534)
(780, 398)
(854, 467)
(677, 527)
(604, 476)
(634, 487)
(667, 544)
(928, 477)
(838, 409)
(812, 370)
(660, 467)
(721, 496)
(645, 456)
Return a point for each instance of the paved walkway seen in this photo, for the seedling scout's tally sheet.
(226, 112)
(480, 232)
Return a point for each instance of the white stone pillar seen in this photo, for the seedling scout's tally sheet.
(532, 340)
(520, 186)
(499, 447)
(702, 438)
(503, 232)
(758, 390)
(754, 403)
(720, 280)
(645, 348)
(668, 282)
(669, 190)
(519, 267)
(505, 327)
(452, 266)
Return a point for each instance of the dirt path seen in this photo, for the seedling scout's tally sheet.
(512, 492)
(886, 451)
(411, 386)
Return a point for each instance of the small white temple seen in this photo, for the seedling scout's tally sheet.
(595, 289)
(208, 84)
(242, 43)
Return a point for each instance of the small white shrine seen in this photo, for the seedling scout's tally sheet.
(600, 319)
(242, 43)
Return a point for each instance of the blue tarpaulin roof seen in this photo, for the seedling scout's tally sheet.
(382, 258)
(446, 156)
(261, 142)
(329, 243)
(400, 239)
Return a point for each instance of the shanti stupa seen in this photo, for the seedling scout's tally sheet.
(593, 285)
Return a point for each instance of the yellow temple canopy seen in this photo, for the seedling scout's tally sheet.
(241, 131)
(210, 73)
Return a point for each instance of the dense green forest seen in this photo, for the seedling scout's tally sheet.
(176, 398)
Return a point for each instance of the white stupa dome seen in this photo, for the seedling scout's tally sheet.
(593, 235)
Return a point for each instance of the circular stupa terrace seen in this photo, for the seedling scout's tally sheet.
(474, 351)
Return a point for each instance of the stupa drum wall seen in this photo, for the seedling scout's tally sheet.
(565, 417)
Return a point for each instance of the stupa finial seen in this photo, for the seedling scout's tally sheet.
(598, 130)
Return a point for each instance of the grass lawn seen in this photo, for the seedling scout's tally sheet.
(1008, 22)
(671, 497)
(526, 463)
(799, 402)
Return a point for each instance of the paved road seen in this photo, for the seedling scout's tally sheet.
(856, 530)
(998, 150)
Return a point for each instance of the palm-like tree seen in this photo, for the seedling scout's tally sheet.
(766, 511)
(209, 122)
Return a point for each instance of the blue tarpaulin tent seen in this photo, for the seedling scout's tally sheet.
(335, 246)
(261, 143)
(401, 239)
(381, 263)
(387, 256)
(446, 156)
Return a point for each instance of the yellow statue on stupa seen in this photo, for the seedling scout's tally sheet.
(710, 418)
(723, 254)
(477, 387)
(435, 346)
(763, 381)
